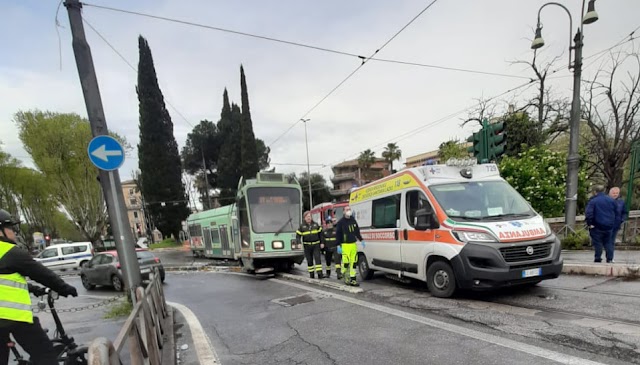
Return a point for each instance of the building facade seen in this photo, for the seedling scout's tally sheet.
(348, 175)
(428, 158)
(135, 209)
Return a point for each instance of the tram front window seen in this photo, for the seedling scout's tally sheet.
(273, 209)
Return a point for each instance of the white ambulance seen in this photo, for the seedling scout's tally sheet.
(458, 225)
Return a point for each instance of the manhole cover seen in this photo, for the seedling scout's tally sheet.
(295, 300)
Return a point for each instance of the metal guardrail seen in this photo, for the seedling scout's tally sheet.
(580, 218)
(143, 330)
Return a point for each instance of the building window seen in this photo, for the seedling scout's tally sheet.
(130, 191)
(133, 200)
(135, 215)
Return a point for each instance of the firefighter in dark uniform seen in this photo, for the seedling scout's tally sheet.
(310, 235)
(16, 316)
(331, 248)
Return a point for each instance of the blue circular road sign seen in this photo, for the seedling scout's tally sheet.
(106, 153)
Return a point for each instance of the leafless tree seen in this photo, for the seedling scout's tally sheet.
(551, 112)
(611, 104)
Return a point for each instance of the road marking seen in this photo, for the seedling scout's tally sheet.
(496, 340)
(204, 349)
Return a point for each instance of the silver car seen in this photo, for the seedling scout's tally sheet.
(104, 269)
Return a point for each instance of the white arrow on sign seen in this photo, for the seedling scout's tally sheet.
(102, 153)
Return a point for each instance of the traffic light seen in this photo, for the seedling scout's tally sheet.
(497, 140)
(478, 148)
(47, 239)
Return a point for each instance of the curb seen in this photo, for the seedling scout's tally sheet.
(323, 282)
(204, 268)
(616, 270)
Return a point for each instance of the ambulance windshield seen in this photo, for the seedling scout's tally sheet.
(486, 200)
(274, 208)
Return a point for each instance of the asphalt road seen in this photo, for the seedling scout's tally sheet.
(257, 321)
(573, 319)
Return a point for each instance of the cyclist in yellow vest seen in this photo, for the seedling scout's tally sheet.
(16, 317)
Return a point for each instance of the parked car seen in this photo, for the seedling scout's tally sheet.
(66, 256)
(104, 269)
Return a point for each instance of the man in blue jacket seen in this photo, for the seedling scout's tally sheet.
(602, 215)
(614, 193)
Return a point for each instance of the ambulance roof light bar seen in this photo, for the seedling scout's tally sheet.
(461, 162)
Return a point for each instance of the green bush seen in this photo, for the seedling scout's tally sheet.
(120, 309)
(539, 175)
(575, 241)
(166, 243)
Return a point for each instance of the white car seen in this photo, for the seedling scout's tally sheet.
(66, 256)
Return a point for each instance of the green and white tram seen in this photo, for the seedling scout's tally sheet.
(258, 229)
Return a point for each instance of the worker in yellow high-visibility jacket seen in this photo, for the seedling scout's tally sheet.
(16, 316)
(347, 236)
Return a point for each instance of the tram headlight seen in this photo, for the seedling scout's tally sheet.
(295, 245)
(259, 245)
(277, 245)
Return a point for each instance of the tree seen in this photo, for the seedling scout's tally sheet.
(366, 159)
(263, 154)
(611, 112)
(319, 188)
(452, 149)
(200, 156)
(229, 160)
(159, 161)
(522, 133)
(391, 153)
(248, 146)
(539, 175)
(551, 113)
(57, 143)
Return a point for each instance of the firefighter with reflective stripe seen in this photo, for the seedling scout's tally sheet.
(310, 235)
(16, 317)
(331, 248)
(347, 236)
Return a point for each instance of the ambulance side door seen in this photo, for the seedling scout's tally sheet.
(383, 248)
(415, 244)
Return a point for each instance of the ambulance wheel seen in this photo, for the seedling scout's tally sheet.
(363, 268)
(440, 279)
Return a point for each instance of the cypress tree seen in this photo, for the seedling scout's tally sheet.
(248, 148)
(159, 160)
(229, 160)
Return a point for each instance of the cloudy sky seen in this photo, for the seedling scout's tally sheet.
(382, 102)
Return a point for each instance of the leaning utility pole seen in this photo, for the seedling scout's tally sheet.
(110, 180)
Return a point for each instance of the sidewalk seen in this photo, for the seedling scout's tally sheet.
(626, 263)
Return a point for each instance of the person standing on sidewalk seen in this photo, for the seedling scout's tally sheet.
(602, 216)
(347, 235)
(614, 193)
(310, 235)
(330, 248)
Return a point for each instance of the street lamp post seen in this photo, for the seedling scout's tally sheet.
(308, 169)
(573, 159)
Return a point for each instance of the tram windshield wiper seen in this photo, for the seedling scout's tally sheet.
(284, 225)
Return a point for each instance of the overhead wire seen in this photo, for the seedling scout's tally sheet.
(296, 44)
(364, 60)
(84, 19)
(413, 132)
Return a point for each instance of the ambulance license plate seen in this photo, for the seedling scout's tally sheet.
(531, 272)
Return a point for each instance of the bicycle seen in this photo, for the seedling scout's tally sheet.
(66, 349)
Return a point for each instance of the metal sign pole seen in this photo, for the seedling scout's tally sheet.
(106, 153)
